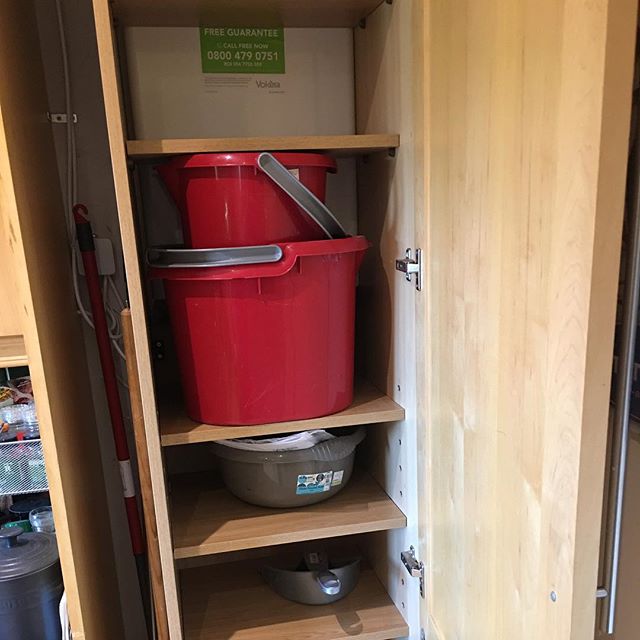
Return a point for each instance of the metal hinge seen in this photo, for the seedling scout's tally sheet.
(60, 118)
(414, 567)
(410, 266)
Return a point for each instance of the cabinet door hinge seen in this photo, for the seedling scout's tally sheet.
(414, 567)
(411, 266)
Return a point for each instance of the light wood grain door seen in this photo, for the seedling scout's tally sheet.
(527, 113)
(11, 305)
(33, 224)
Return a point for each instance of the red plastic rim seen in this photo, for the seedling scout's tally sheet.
(290, 253)
(289, 160)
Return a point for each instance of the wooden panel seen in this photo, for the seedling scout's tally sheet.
(528, 115)
(13, 352)
(288, 13)
(12, 312)
(144, 476)
(336, 145)
(389, 85)
(115, 132)
(33, 213)
(12, 318)
(209, 520)
(614, 138)
(369, 406)
(231, 602)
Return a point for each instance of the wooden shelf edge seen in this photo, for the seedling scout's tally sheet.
(231, 601)
(199, 551)
(337, 145)
(13, 352)
(370, 406)
(361, 507)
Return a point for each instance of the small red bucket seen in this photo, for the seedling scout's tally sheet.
(226, 200)
(268, 342)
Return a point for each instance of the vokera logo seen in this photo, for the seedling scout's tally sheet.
(267, 84)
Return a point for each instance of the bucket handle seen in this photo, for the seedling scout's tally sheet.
(303, 197)
(172, 258)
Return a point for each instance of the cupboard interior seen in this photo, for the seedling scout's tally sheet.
(380, 504)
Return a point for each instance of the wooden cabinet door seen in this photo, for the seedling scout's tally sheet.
(527, 120)
(33, 214)
(11, 305)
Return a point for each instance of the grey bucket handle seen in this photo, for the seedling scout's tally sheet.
(303, 197)
(167, 258)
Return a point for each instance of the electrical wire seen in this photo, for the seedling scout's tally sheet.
(113, 313)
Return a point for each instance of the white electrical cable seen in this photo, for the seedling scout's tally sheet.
(113, 314)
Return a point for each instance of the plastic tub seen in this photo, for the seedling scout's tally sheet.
(267, 342)
(286, 479)
(226, 200)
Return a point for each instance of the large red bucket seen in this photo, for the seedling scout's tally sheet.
(268, 342)
(226, 200)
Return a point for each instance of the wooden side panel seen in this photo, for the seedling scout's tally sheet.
(387, 52)
(146, 491)
(526, 165)
(11, 313)
(614, 140)
(115, 129)
(33, 214)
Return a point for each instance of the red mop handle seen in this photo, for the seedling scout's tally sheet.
(87, 249)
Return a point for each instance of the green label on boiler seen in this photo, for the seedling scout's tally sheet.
(242, 50)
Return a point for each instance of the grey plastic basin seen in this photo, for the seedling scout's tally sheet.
(290, 478)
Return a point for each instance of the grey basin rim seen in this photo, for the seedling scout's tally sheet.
(327, 451)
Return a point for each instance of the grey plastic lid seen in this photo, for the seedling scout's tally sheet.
(22, 554)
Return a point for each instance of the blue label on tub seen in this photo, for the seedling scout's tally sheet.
(314, 483)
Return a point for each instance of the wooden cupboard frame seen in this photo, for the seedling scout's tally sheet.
(517, 118)
(373, 119)
(513, 123)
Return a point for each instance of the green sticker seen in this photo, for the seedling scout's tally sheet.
(242, 50)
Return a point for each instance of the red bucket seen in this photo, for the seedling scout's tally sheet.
(268, 342)
(226, 200)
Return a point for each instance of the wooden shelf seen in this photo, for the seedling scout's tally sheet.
(208, 520)
(231, 602)
(336, 145)
(12, 352)
(287, 13)
(370, 406)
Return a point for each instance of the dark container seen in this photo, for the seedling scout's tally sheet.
(30, 586)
